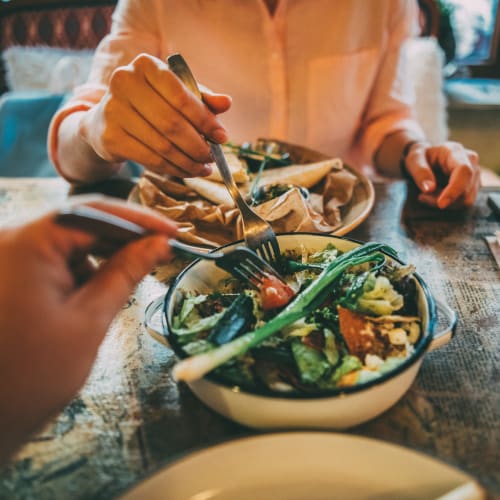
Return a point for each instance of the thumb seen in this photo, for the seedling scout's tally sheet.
(419, 169)
(109, 288)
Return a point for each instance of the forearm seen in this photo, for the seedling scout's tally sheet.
(77, 160)
(388, 155)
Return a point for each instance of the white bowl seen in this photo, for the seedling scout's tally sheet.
(335, 409)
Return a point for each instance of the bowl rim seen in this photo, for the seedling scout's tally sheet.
(420, 349)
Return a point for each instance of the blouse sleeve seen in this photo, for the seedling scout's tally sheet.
(390, 104)
(134, 30)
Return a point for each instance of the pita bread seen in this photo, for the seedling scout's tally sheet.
(307, 175)
(212, 191)
(237, 167)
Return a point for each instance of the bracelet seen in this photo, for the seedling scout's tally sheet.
(404, 154)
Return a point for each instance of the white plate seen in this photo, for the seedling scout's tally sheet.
(306, 466)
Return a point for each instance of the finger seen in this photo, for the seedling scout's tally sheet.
(82, 267)
(105, 293)
(168, 123)
(473, 156)
(141, 129)
(141, 153)
(420, 170)
(218, 103)
(471, 195)
(52, 241)
(143, 216)
(462, 174)
(173, 91)
(428, 199)
(47, 251)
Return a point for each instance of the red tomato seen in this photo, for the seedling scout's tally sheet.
(274, 293)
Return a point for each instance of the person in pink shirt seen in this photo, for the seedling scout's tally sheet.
(326, 74)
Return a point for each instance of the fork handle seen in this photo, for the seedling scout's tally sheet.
(179, 67)
(113, 232)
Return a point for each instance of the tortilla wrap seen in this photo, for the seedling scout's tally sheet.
(307, 175)
(237, 167)
(212, 191)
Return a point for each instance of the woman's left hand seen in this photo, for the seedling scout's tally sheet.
(447, 175)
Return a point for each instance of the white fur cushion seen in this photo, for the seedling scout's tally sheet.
(425, 68)
(46, 68)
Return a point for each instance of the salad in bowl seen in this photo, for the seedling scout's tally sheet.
(347, 328)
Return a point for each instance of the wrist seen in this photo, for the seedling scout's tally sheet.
(409, 146)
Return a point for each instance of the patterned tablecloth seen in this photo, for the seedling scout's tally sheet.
(131, 418)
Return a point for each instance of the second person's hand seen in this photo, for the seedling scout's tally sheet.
(448, 175)
(148, 116)
(54, 317)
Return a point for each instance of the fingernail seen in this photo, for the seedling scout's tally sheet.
(444, 202)
(427, 186)
(206, 169)
(219, 135)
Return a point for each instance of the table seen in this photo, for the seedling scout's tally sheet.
(131, 418)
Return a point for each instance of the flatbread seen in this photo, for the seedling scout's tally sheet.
(212, 191)
(237, 167)
(307, 175)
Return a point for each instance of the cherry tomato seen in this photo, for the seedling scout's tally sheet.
(274, 293)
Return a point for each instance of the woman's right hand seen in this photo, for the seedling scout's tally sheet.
(148, 116)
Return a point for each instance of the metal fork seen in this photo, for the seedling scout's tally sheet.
(258, 233)
(242, 262)
(113, 232)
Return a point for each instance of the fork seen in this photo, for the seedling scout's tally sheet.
(113, 232)
(258, 233)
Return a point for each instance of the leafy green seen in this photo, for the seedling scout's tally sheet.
(329, 254)
(330, 350)
(235, 320)
(188, 313)
(197, 347)
(349, 364)
(310, 362)
(201, 325)
(379, 297)
(299, 328)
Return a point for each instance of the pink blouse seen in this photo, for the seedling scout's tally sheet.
(328, 74)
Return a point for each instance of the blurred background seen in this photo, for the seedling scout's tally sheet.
(46, 49)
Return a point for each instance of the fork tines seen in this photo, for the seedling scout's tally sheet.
(269, 250)
(247, 265)
(250, 271)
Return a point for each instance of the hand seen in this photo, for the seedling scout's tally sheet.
(148, 116)
(447, 175)
(51, 326)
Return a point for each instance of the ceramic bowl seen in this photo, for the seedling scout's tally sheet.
(336, 409)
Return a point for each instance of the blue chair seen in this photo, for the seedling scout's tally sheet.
(24, 123)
